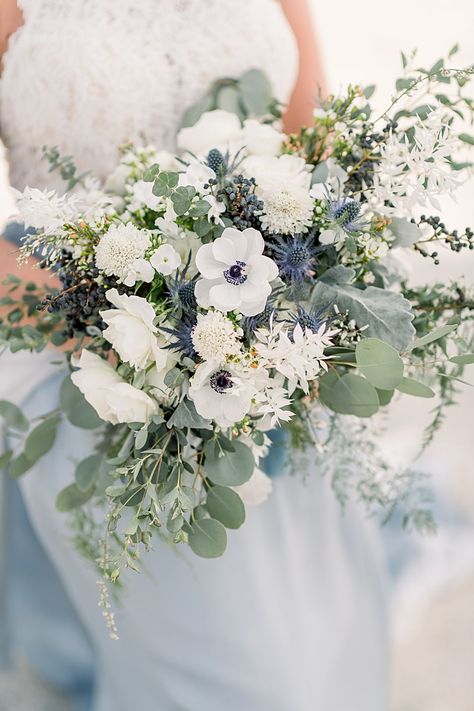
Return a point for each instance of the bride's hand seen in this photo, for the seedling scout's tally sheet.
(310, 76)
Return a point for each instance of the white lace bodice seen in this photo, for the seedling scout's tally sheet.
(87, 75)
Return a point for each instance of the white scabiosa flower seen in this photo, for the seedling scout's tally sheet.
(165, 259)
(112, 398)
(214, 337)
(121, 253)
(131, 330)
(236, 274)
(287, 209)
(219, 394)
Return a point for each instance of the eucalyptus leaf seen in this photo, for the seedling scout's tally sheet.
(226, 506)
(87, 471)
(435, 335)
(72, 498)
(77, 409)
(185, 415)
(208, 538)
(384, 396)
(406, 233)
(387, 314)
(228, 100)
(41, 439)
(349, 395)
(13, 416)
(380, 363)
(320, 173)
(409, 386)
(465, 359)
(256, 92)
(229, 468)
(194, 112)
(19, 466)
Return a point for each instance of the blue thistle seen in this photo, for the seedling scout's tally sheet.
(310, 320)
(345, 212)
(182, 334)
(295, 257)
(182, 289)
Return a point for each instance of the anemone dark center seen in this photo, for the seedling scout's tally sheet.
(221, 381)
(236, 273)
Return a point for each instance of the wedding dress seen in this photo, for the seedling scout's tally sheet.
(293, 617)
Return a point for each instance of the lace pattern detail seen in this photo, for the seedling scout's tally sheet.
(87, 76)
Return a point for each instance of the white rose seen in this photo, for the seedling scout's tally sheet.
(256, 490)
(270, 171)
(114, 400)
(130, 329)
(214, 129)
(261, 139)
(165, 259)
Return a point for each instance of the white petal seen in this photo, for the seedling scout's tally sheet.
(223, 250)
(255, 243)
(238, 240)
(224, 296)
(207, 264)
(201, 291)
(252, 308)
(254, 291)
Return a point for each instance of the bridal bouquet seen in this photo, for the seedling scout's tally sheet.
(248, 284)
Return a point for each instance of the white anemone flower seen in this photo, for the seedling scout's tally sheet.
(121, 253)
(165, 259)
(236, 274)
(219, 394)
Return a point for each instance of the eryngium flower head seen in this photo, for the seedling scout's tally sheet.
(295, 257)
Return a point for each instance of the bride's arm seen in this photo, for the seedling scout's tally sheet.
(10, 20)
(310, 76)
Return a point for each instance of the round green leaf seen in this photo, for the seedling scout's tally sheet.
(13, 416)
(208, 538)
(354, 395)
(77, 409)
(41, 439)
(87, 471)
(380, 363)
(229, 468)
(71, 498)
(414, 387)
(226, 506)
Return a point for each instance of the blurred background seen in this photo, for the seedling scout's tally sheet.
(433, 591)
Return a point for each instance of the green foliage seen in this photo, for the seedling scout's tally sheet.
(208, 538)
(409, 386)
(228, 468)
(13, 416)
(349, 394)
(226, 506)
(41, 439)
(76, 408)
(87, 471)
(72, 498)
(380, 363)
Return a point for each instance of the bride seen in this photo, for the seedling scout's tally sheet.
(292, 618)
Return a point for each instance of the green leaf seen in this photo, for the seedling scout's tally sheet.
(150, 174)
(349, 395)
(194, 112)
(87, 471)
(72, 498)
(256, 92)
(77, 409)
(6, 458)
(369, 91)
(164, 183)
(320, 173)
(228, 100)
(182, 198)
(229, 468)
(435, 335)
(41, 439)
(380, 363)
(208, 538)
(465, 359)
(387, 314)
(185, 415)
(406, 233)
(20, 465)
(13, 416)
(384, 396)
(409, 386)
(466, 138)
(226, 506)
